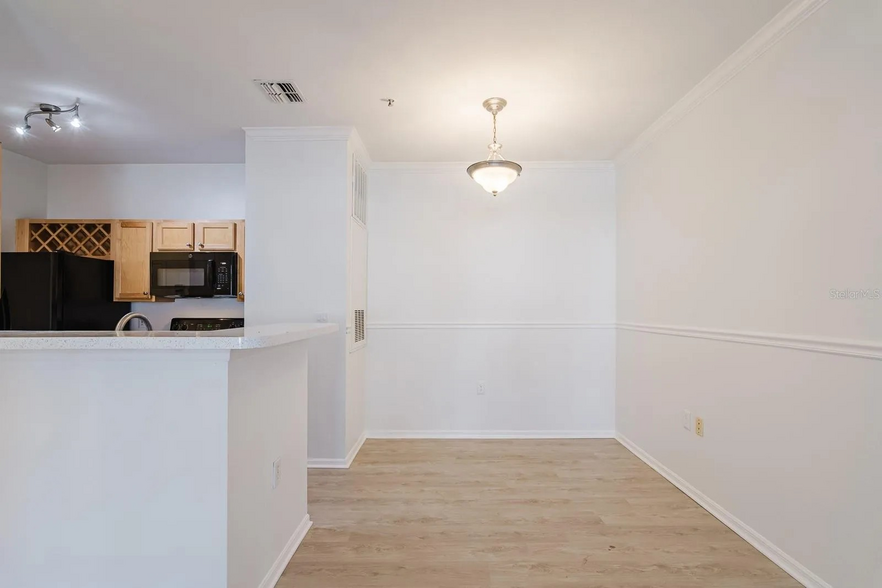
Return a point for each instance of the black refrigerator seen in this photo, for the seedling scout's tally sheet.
(57, 292)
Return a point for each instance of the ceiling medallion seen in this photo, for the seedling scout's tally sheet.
(494, 173)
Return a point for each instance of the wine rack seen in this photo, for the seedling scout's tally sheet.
(86, 238)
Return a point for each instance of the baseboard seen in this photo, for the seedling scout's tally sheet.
(491, 435)
(338, 464)
(275, 572)
(799, 572)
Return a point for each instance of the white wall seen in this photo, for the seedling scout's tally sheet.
(153, 191)
(297, 216)
(25, 184)
(147, 191)
(99, 452)
(448, 263)
(266, 423)
(742, 217)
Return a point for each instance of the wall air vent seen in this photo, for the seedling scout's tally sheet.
(359, 326)
(280, 91)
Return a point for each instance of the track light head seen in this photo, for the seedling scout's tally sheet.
(75, 122)
(23, 130)
(53, 125)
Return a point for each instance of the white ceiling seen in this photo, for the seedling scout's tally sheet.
(170, 81)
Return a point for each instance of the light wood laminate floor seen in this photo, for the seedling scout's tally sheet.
(514, 513)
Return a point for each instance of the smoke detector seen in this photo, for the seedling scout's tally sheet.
(280, 91)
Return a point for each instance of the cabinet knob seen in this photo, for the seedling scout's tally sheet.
(189, 245)
(201, 246)
(146, 293)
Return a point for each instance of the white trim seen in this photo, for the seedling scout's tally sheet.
(460, 166)
(764, 39)
(127, 354)
(833, 346)
(360, 150)
(275, 572)
(491, 435)
(491, 326)
(851, 348)
(338, 464)
(302, 134)
(799, 572)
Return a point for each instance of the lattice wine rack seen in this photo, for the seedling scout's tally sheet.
(89, 239)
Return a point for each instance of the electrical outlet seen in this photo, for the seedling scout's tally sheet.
(482, 388)
(687, 420)
(699, 426)
(277, 472)
(322, 317)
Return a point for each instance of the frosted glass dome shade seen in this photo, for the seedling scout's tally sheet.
(494, 175)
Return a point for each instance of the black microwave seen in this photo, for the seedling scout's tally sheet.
(194, 275)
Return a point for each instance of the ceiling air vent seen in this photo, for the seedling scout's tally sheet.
(282, 92)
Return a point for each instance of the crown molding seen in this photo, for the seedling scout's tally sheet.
(301, 133)
(460, 166)
(360, 149)
(776, 29)
(829, 345)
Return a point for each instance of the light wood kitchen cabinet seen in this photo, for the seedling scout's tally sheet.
(129, 242)
(173, 236)
(133, 242)
(216, 236)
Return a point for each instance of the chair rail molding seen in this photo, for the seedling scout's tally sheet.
(776, 29)
(514, 325)
(833, 346)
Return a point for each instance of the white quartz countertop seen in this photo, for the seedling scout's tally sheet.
(247, 338)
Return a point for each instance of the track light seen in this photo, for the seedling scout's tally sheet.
(50, 110)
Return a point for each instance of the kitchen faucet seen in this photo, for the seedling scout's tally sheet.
(132, 315)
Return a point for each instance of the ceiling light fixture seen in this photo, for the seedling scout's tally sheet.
(50, 110)
(494, 173)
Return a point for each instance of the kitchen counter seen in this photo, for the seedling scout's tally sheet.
(246, 338)
(151, 459)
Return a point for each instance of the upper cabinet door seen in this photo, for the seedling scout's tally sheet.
(216, 236)
(173, 236)
(133, 240)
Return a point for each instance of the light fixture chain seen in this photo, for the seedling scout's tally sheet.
(494, 127)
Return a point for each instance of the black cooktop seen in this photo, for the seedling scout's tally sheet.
(206, 324)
